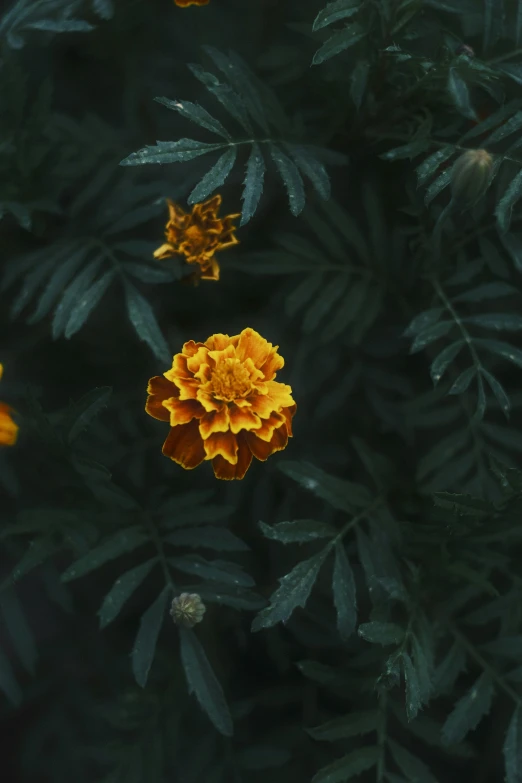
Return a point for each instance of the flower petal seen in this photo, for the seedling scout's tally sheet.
(210, 270)
(190, 348)
(204, 396)
(280, 395)
(214, 421)
(199, 358)
(223, 443)
(224, 470)
(243, 419)
(266, 431)
(261, 449)
(253, 346)
(8, 428)
(289, 413)
(159, 389)
(218, 342)
(184, 445)
(273, 363)
(183, 411)
(165, 251)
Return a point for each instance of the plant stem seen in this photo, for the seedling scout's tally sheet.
(156, 540)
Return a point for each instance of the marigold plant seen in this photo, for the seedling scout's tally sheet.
(223, 403)
(198, 235)
(8, 428)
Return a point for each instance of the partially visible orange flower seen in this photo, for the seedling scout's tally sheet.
(185, 3)
(8, 429)
(223, 404)
(198, 235)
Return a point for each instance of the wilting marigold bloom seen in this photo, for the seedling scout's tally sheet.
(8, 428)
(185, 3)
(198, 235)
(223, 404)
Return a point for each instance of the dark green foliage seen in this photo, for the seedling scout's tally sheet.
(362, 590)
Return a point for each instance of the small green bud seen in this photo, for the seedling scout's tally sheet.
(187, 609)
(470, 177)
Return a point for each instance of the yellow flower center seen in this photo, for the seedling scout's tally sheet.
(196, 237)
(230, 380)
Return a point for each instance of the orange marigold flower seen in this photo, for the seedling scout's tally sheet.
(185, 3)
(8, 428)
(223, 404)
(198, 235)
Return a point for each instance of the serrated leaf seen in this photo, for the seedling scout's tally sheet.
(197, 114)
(413, 768)
(214, 570)
(214, 178)
(494, 290)
(348, 766)
(312, 168)
(413, 697)
(429, 166)
(352, 725)
(209, 537)
(170, 152)
(509, 322)
(438, 185)
(430, 335)
(292, 179)
(253, 182)
(406, 151)
(505, 350)
(86, 410)
(509, 198)
(341, 494)
(343, 587)
(441, 363)
(335, 11)
(229, 98)
(339, 42)
(294, 591)
(423, 320)
(498, 390)
(120, 543)
(143, 319)
(87, 302)
(147, 637)
(64, 272)
(469, 711)
(513, 748)
(74, 290)
(463, 381)
(459, 92)
(298, 531)
(203, 683)
(513, 124)
(381, 633)
(226, 595)
(121, 591)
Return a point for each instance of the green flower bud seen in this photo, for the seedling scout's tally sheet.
(187, 609)
(470, 177)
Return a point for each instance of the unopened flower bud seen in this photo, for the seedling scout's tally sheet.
(471, 176)
(187, 609)
(465, 49)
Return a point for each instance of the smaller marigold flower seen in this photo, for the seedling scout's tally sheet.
(198, 235)
(187, 609)
(471, 176)
(223, 403)
(186, 3)
(8, 428)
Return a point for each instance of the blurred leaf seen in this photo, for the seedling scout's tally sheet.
(291, 178)
(513, 748)
(348, 766)
(509, 198)
(86, 410)
(381, 633)
(196, 113)
(339, 42)
(343, 586)
(351, 725)
(335, 11)
(214, 178)
(216, 570)
(254, 180)
(459, 92)
(120, 543)
(414, 769)
(210, 537)
(341, 494)
(143, 319)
